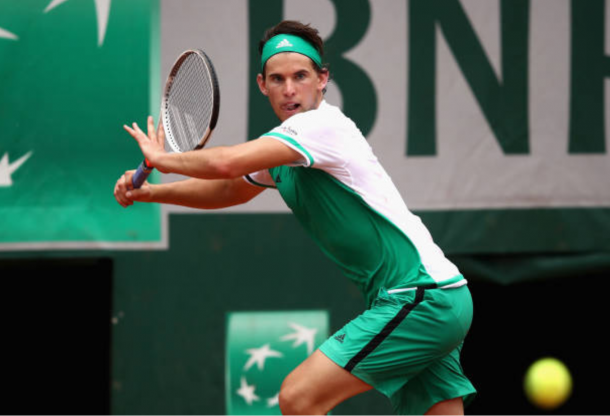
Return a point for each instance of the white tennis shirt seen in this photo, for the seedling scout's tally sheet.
(344, 198)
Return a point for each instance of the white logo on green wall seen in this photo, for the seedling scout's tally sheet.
(7, 169)
(262, 349)
(102, 10)
(5, 34)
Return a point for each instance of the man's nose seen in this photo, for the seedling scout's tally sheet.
(289, 88)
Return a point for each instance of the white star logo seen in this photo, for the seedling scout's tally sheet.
(247, 392)
(273, 401)
(300, 336)
(7, 35)
(102, 9)
(259, 355)
(6, 169)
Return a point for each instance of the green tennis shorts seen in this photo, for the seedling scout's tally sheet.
(407, 346)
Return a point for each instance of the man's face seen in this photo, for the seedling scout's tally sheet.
(292, 84)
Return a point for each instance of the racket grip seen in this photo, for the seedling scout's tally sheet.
(141, 174)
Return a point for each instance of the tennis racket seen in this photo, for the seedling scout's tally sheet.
(189, 107)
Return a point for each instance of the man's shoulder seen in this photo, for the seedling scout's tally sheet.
(324, 113)
(325, 118)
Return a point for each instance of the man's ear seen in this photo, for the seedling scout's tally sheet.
(261, 84)
(323, 79)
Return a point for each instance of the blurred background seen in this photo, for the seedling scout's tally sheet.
(490, 116)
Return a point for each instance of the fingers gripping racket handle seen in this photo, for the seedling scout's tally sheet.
(141, 174)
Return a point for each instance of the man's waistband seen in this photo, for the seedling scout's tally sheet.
(455, 281)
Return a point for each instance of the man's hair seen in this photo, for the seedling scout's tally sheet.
(304, 31)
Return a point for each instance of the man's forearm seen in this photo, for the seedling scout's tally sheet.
(227, 162)
(204, 164)
(204, 193)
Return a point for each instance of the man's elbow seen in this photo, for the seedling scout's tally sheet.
(226, 168)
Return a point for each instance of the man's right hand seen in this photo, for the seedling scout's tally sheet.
(126, 195)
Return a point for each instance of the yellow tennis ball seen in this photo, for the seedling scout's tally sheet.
(548, 383)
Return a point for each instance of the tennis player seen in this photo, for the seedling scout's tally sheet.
(407, 343)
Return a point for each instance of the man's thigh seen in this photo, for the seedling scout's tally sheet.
(317, 385)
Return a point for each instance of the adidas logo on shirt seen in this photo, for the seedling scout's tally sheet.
(340, 338)
(283, 44)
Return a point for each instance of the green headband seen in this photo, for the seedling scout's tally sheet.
(289, 43)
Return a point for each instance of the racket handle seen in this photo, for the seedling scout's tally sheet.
(141, 174)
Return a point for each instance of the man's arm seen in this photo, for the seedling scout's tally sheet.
(217, 172)
(206, 193)
(214, 163)
(193, 193)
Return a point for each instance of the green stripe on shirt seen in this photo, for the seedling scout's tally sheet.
(292, 142)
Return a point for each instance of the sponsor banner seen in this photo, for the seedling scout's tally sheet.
(488, 110)
(262, 349)
(73, 72)
(468, 104)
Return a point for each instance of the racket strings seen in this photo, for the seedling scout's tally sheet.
(189, 104)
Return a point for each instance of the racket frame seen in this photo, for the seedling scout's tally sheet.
(165, 119)
(145, 168)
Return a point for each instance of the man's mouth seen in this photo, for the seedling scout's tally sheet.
(291, 106)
